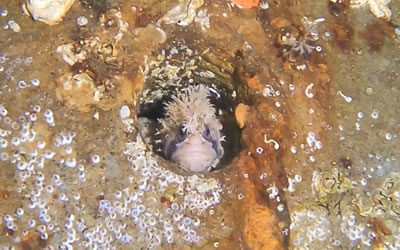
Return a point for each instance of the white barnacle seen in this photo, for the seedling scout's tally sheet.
(273, 191)
(81, 20)
(95, 159)
(70, 162)
(3, 143)
(35, 82)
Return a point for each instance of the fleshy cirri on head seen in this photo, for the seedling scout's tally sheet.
(191, 130)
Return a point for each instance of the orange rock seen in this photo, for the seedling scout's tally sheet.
(260, 226)
(279, 22)
(254, 83)
(30, 241)
(246, 3)
(261, 230)
(138, 85)
(4, 194)
(241, 113)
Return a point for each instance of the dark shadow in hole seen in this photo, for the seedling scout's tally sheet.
(223, 101)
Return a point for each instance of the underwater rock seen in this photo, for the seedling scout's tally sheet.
(70, 55)
(14, 26)
(78, 91)
(151, 34)
(326, 184)
(47, 11)
(379, 8)
(191, 130)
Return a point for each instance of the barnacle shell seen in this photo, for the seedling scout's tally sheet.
(379, 8)
(326, 183)
(78, 91)
(389, 195)
(182, 14)
(69, 54)
(47, 11)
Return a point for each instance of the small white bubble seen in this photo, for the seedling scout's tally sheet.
(70, 162)
(364, 182)
(298, 178)
(397, 31)
(4, 12)
(95, 159)
(82, 20)
(375, 114)
(360, 115)
(35, 82)
(264, 5)
(358, 126)
(28, 60)
(389, 137)
(124, 112)
(22, 84)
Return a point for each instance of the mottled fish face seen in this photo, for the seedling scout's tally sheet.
(192, 131)
(195, 152)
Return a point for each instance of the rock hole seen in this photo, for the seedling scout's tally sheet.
(152, 108)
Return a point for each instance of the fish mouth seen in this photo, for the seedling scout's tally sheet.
(203, 151)
(195, 158)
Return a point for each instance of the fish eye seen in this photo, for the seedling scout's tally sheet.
(182, 134)
(207, 131)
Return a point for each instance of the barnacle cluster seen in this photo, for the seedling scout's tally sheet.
(163, 207)
(91, 81)
(184, 86)
(47, 11)
(310, 228)
(327, 185)
(183, 13)
(176, 219)
(364, 218)
(379, 8)
(103, 47)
